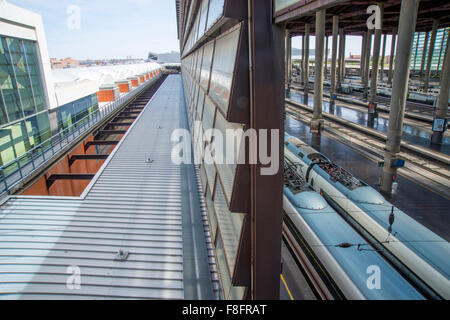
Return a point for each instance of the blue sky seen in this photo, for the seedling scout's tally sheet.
(121, 28)
(108, 28)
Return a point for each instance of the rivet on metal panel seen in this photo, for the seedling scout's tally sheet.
(121, 255)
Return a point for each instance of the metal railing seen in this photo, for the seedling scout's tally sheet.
(15, 171)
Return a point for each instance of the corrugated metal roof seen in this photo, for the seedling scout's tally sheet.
(131, 206)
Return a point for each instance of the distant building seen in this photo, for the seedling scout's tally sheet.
(64, 63)
(354, 56)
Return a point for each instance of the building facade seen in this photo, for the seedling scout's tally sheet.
(25, 95)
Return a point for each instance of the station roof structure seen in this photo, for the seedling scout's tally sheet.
(353, 14)
(75, 83)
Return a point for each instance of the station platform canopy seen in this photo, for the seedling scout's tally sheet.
(353, 14)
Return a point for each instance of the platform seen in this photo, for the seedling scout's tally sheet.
(135, 233)
(411, 133)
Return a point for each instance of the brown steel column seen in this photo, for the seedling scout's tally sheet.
(266, 112)
(392, 57)
(426, 83)
(407, 26)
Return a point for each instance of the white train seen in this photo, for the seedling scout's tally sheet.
(421, 252)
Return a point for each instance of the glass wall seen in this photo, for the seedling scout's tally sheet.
(21, 91)
(76, 110)
(18, 138)
(437, 59)
(23, 119)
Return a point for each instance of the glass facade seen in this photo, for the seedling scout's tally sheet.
(18, 138)
(74, 111)
(207, 79)
(23, 119)
(437, 59)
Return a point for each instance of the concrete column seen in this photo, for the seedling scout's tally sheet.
(391, 60)
(383, 55)
(334, 56)
(375, 62)
(426, 83)
(318, 77)
(325, 69)
(341, 46)
(406, 29)
(363, 55)
(442, 104)
(424, 54)
(368, 53)
(302, 64)
(343, 56)
(306, 72)
(442, 52)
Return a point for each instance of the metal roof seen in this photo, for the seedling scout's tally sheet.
(131, 205)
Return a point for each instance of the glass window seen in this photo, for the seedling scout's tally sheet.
(21, 74)
(227, 170)
(223, 67)
(81, 107)
(211, 214)
(282, 4)
(206, 65)
(14, 141)
(203, 16)
(38, 129)
(8, 84)
(3, 118)
(35, 75)
(210, 169)
(231, 292)
(208, 113)
(7, 152)
(65, 116)
(215, 12)
(230, 225)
